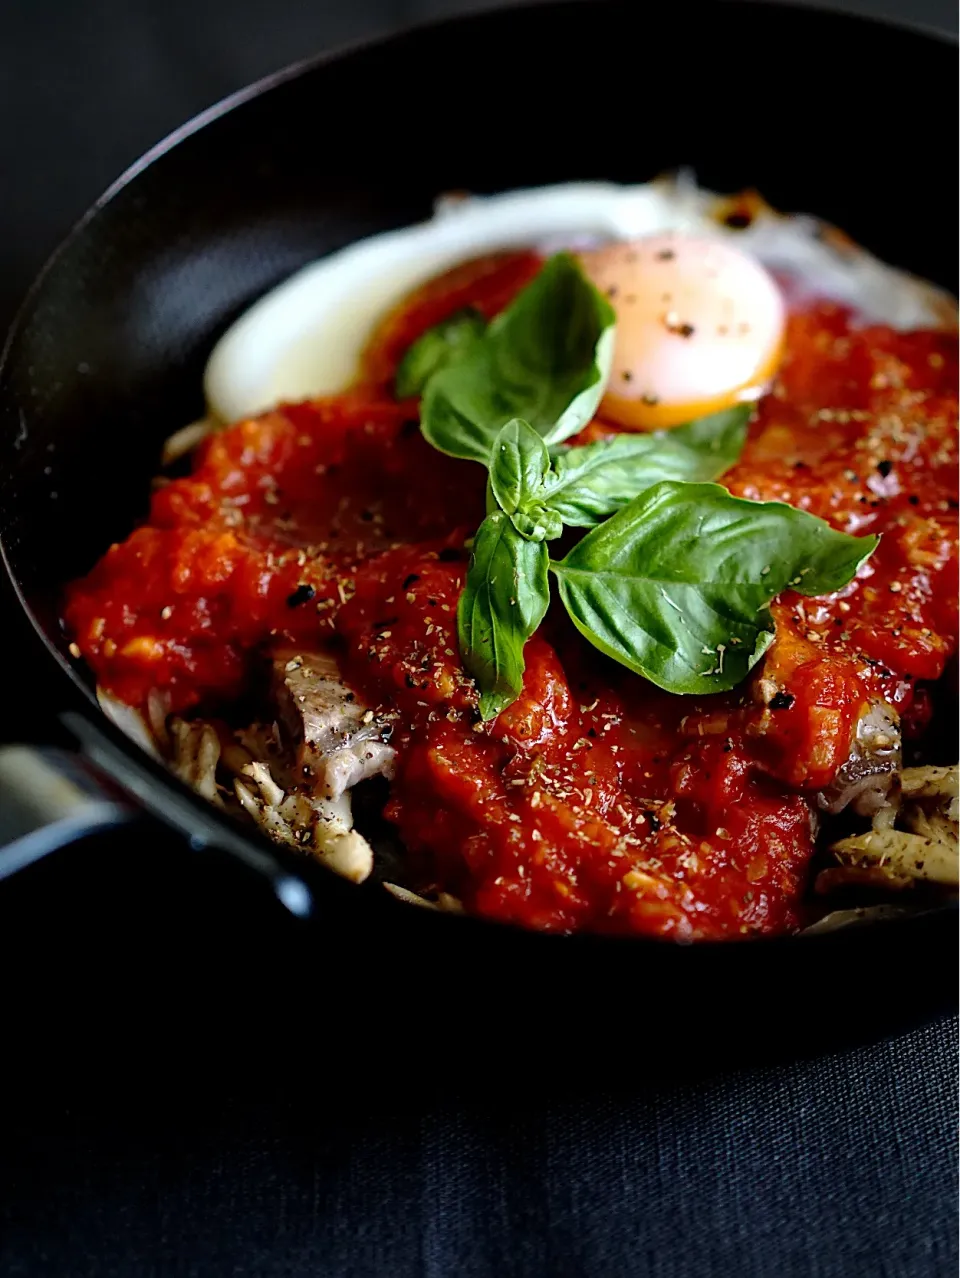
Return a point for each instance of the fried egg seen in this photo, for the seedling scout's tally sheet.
(700, 326)
(695, 279)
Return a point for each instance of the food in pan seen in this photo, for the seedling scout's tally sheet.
(596, 544)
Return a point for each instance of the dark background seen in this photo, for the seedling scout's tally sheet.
(175, 1098)
(87, 85)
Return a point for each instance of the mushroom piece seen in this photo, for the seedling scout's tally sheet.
(195, 753)
(303, 820)
(914, 839)
(338, 740)
(865, 780)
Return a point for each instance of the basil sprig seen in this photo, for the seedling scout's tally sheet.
(520, 474)
(545, 359)
(676, 577)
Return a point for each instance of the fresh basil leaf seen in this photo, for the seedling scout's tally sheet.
(546, 359)
(676, 585)
(519, 466)
(597, 479)
(503, 602)
(439, 347)
(519, 473)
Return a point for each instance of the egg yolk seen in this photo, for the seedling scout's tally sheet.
(699, 328)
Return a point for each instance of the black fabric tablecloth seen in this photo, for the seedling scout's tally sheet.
(175, 1103)
(163, 1112)
(838, 1168)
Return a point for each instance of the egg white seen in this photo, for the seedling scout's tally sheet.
(305, 337)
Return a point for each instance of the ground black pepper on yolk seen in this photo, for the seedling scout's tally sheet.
(595, 801)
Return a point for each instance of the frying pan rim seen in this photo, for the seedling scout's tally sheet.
(790, 9)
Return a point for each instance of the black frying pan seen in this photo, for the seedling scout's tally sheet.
(822, 113)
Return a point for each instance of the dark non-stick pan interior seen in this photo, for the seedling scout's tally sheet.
(821, 113)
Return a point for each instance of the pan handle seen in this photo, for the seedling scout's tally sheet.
(49, 798)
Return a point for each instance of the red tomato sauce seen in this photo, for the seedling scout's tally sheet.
(595, 801)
